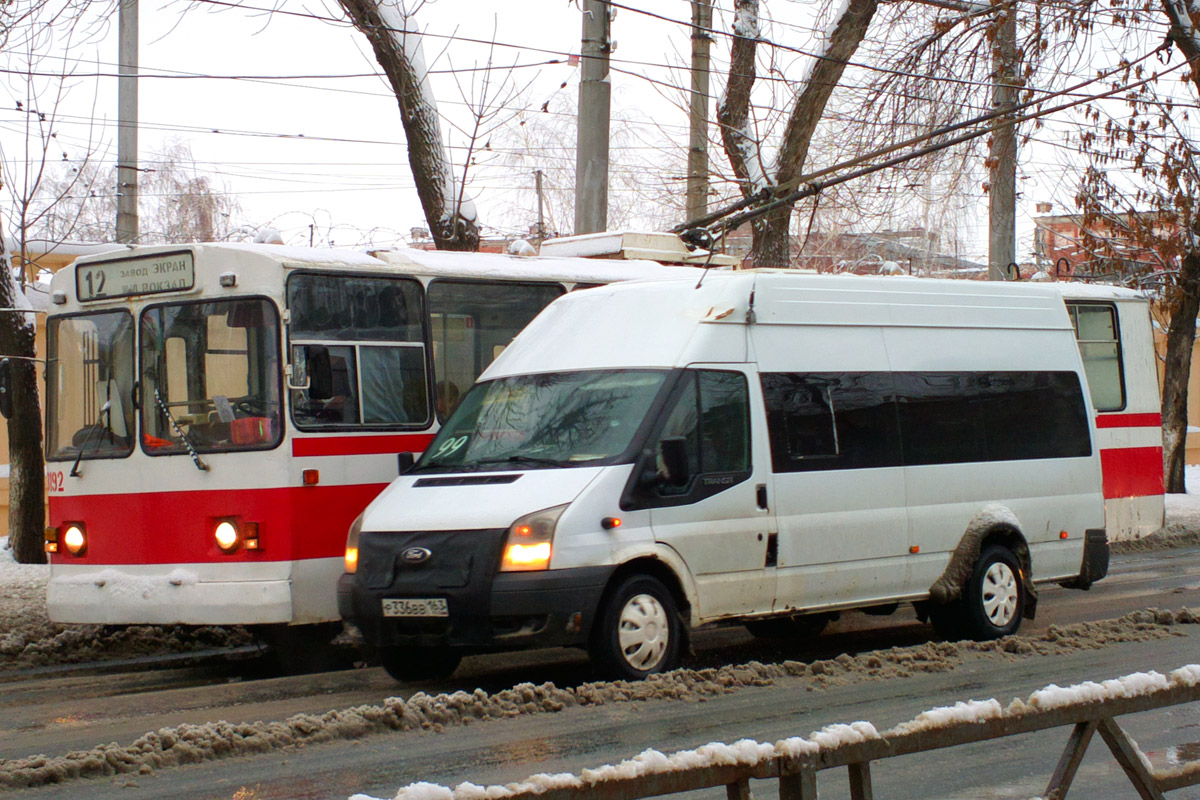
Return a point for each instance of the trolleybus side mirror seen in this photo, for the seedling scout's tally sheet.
(405, 461)
(296, 372)
(6, 407)
(320, 372)
(673, 450)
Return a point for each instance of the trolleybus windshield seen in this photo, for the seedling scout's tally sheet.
(210, 375)
(89, 386)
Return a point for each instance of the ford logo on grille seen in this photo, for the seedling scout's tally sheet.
(415, 555)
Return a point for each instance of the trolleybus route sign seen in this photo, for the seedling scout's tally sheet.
(161, 272)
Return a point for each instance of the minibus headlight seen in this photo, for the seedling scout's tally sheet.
(530, 541)
(227, 535)
(352, 545)
(74, 538)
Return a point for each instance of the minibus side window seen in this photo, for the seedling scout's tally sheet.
(822, 421)
(713, 417)
(832, 421)
(1100, 345)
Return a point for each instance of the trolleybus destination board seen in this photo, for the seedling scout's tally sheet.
(161, 272)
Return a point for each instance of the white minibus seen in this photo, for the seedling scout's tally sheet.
(763, 447)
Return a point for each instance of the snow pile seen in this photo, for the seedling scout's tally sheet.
(1139, 683)
(960, 712)
(833, 736)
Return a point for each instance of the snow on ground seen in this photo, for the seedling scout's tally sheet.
(186, 744)
(29, 639)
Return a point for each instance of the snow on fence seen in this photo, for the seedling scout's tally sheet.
(1087, 707)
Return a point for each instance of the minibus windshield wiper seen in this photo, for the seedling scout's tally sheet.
(517, 459)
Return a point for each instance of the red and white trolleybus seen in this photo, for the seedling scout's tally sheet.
(1116, 340)
(218, 414)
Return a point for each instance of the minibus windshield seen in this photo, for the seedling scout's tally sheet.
(554, 419)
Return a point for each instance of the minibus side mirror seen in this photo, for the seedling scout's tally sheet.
(6, 403)
(320, 372)
(405, 461)
(673, 450)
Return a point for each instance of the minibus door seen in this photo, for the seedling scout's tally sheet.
(712, 505)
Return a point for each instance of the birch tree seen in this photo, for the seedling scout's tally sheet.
(396, 41)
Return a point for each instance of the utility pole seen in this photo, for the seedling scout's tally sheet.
(595, 99)
(127, 114)
(1002, 191)
(697, 176)
(541, 225)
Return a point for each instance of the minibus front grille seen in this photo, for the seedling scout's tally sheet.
(429, 563)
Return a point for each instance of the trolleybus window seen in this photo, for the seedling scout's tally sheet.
(358, 345)
(472, 322)
(1100, 345)
(90, 365)
(210, 375)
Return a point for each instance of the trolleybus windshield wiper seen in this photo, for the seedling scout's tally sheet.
(162, 406)
(99, 426)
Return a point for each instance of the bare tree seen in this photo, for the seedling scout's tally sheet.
(176, 202)
(28, 27)
(1141, 219)
(397, 43)
(758, 173)
(642, 160)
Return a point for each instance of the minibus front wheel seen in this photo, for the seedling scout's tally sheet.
(637, 632)
(418, 663)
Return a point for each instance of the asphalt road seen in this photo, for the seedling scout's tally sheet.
(55, 715)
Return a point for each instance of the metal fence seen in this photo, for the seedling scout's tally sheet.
(797, 774)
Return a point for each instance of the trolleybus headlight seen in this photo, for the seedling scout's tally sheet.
(530, 541)
(74, 538)
(352, 545)
(227, 535)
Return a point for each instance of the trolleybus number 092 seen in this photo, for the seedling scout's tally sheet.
(431, 607)
(166, 272)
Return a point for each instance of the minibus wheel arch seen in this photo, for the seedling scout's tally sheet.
(948, 588)
(659, 570)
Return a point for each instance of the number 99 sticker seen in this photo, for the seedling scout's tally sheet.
(451, 446)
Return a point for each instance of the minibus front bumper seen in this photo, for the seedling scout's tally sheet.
(485, 609)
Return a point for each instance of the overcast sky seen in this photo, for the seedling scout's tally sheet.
(278, 118)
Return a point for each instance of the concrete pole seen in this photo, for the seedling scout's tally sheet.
(127, 114)
(697, 180)
(1002, 197)
(591, 154)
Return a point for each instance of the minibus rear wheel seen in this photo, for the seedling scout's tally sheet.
(994, 597)
(637, 632)
(418, 663)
